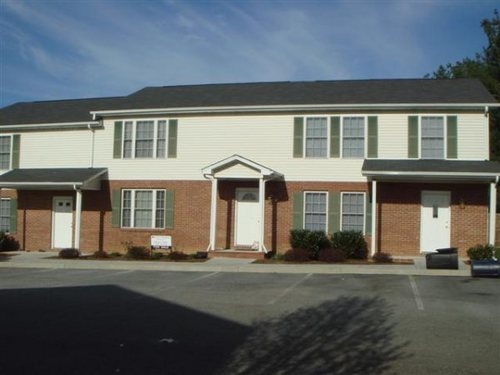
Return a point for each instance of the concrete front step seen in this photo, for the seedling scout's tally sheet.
(247, 254)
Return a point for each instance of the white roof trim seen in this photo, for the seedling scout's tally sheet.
(210, 170)
(58, 125)
(286, 108)
(428, 174)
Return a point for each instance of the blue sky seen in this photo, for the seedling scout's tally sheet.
(51, 49)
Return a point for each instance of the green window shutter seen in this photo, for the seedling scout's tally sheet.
(335, 137)
(117, 143)
(333, 212)
(372, 137)
(116, 197)
(298, 137)
(16, 148)
(169, 209)
(412, 137)
(298, 211)
(368, 214)
(451, 137)
(13, 215)
(172, 139)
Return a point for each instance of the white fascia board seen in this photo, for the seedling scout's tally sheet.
(49, 126)
(429, 174)
(286, 108)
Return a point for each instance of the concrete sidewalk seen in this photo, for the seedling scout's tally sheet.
(21, 259)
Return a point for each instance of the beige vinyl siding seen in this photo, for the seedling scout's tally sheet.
(392, 136)
(472, 137)
(56, 149)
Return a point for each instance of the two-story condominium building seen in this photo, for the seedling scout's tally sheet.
(231, 166)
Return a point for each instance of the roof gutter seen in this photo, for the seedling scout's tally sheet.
(286, 108)
(50, 126)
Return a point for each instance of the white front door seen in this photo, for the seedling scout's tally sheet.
(62, 222)
(247, 221)
(435, 220)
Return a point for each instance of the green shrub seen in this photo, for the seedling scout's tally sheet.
(177, 255)
(156, 255)
(8, 242)
(331, 255)
(138, 252)
(352, 243)
(296, 255)
(310, 240)
(69, 253)
(382, 257)
(497, 252)
(480, 252)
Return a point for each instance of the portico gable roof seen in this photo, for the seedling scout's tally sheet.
(239, 167)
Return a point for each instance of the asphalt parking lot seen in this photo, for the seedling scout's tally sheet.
(57, 321)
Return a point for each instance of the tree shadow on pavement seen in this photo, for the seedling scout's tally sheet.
(350, 335)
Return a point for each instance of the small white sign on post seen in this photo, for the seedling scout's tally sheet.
(161, 242)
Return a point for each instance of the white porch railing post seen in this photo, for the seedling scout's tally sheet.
(493, 209)
(213, 214)
(78, 217)
(262, 190)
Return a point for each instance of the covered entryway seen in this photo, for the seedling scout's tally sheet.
(419, 205)
(249, 217)
(56, 184)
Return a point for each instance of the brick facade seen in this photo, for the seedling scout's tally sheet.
(398, 212)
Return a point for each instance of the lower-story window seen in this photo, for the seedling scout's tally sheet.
(315, 211)
(353, 208)
(4, 215)
(143, 208)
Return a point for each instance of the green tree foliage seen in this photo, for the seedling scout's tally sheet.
(485, 66)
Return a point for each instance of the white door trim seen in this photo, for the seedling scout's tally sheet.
(62, 223)
(253, 230)
(435, 221)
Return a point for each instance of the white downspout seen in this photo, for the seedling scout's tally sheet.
(92, 145)
(373, 247)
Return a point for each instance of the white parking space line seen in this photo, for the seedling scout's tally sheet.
(31, 271)
(204, 277)
(289, 289)
(416, 293)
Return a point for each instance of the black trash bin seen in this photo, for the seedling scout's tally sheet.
(486, 268)
(446, 258)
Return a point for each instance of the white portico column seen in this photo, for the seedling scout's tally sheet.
(78, 217)
(262, 190)
(374, 218)
(493, 211)
(213, 215)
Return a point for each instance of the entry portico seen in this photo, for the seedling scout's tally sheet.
(239, 168)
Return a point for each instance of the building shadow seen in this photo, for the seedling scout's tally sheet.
(108, 330)
(350, 335)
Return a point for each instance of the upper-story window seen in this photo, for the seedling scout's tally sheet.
(350, 137)
(145, 139)
(316, 137)
(353, 137)
(432, 138)
(5, 151)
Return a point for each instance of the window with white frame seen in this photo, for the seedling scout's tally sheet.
(4, 215)
(315, 210)
(353, 137)
(143, 208)
(5, 151)
(316, 137)
(144, 139)
(432, 139)
(353, 208)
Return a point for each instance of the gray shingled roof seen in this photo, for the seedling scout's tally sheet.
(372, 167)
(372, 92)
(50, 175)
